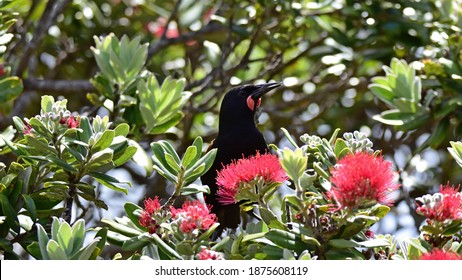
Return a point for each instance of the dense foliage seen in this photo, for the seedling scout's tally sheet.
(100, 98)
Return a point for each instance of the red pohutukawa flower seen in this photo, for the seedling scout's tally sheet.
(209, 255)
(265, 167)
(445, 205)
(438, 254)
(193, 215)
(361, 179)
(71, 122)
(146, 220)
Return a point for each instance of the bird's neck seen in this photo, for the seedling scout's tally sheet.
(236, 126)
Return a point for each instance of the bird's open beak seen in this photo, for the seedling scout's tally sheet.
(264, 88)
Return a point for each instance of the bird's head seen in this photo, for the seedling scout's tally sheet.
(241, 103)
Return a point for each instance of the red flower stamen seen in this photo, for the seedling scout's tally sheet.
(360, 178)
(193, 215)
(246, 170)
(438, 254)
(209, 255)
(146, 220)
(73, 122)
(445, 205)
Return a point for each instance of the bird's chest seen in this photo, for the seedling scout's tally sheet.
(239, 144)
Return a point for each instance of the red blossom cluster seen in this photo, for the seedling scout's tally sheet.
(445, 205)
(439, 254)
(360, 178)
(246, 170)
(209, 255)
(193, 215)
(146, 220)
(71, 122)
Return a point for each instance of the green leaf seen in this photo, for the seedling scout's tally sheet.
(108, 181)
(185, 249)
(11, 216)
(294, 162)
(289, 137)
(34, 250)
(380, 211)
(91, 197)
(341, 148)
(78, 234)
(40, 144)
(6, 245)
(191, 174)
(43, 241)
(159, 159)
(55, 224)
(456, 151)
(86, 129)
(206, 235)
(123, 229)
(189, 156)
(343, 243)
(169, 251)
(285, 239)
(86, 252)
(320, 171)
(168, 148)
(162, 127)
(415, 250)
(76, 154)
(104, 141)
(351, 229)
(383, 92)
(310, 240)
(47, 103)
(198, 143)
(171, 162)
(194, 188)
(40, 128)
(103, 86)
(102, 235)
(129, 153)
(333, 137)
(30, 206)
(64, 238)
(130, 209)
(61, 163)
(136, 243)
(45, 199)
(99, 159)
(122, 130)
(55, 252)
(10, 88)
(271, 220)
(344, 254)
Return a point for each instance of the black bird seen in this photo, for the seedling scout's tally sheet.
(238, 136)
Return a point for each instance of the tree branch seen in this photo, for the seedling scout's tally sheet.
(58, 85)
(52, 10)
